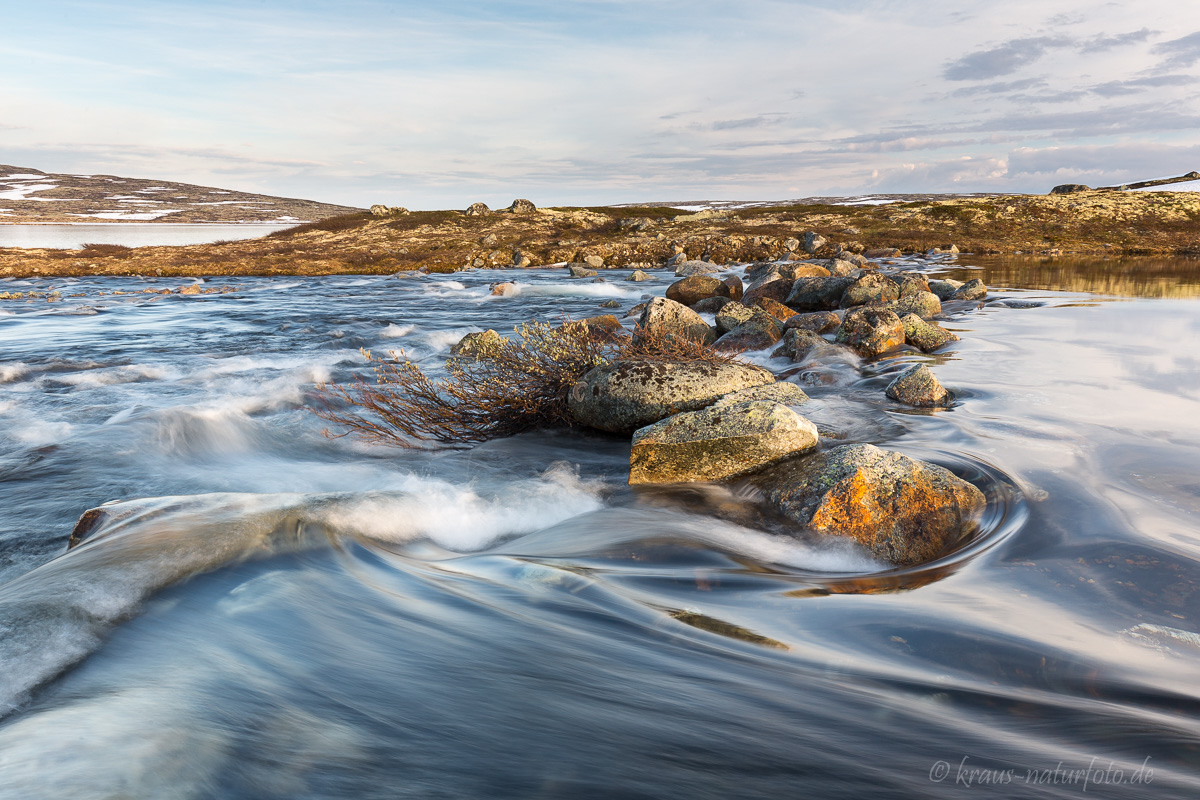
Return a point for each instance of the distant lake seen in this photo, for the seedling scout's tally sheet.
(132, 234)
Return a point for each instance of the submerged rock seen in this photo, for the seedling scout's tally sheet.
(578, 270)
(904, 511)
(477, 344)
(917, 386)
(628, 394)
(925, 336)
(945, 288)
(797, 344)
(871, 331)
(718, 443)
(668, 318)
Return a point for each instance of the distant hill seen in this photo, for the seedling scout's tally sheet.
(30, 195)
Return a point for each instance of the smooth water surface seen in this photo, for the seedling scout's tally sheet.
(131, 234)
(271, 613)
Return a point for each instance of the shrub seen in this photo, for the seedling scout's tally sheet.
(520, 384)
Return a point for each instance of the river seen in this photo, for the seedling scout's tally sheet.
(272, 613)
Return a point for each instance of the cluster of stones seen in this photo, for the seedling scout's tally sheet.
(721, 421)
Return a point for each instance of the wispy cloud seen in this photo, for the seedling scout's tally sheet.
(1180, 53)
(1003, 59)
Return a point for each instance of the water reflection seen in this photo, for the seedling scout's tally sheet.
(1130, 276)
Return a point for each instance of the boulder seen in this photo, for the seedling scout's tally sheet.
(628, 394)
(818, 294)
(477, 344)
(610, 304)
(803, 269)
(638, 276)
(578, 270)
(520, 206)
(814, 321)
(842, 268)
(779, 392)
(1070, 188)
(715, 444)
(813, 242)
(870, 288)
(711, 305)
(696, 288)
(910, 283)
(736, 290)
(797, 344)
(776, 309)
(871, 331)
(520, 260)
(477, 210)
(904, 511)
(732, 315)
(594, 261)
(378, 210)
(971, 290)
(917, 386)
(925, 336)
(668, 318)
(604, 327)
(777, 288)
(791, 244)
(924, 304)
(760, 331)
(944, 289)
(688, 268)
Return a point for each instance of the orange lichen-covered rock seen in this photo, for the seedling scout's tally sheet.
(903, 510)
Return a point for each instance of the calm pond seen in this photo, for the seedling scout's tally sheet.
(270, 613)
(130, 234)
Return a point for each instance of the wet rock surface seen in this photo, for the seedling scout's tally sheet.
(628, 394)
(871, 331)
(917, 386)
(818, 294)
(902, 510)
(718, 443)
(925, 336)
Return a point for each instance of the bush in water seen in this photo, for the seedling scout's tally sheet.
(519, 384)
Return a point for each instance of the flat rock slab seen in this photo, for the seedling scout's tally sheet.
(904, 511)
(718, 443)
(632, 393)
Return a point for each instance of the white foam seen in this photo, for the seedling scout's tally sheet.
(460, 518)
(577, 289)
(394, 331)
(438, 341)
(133, 373)
(12, 371)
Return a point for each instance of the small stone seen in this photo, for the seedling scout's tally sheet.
(718, 443)
(813, 242)
(578, 270)
(971, 290)
(871, 331)
(637, 276)
(791, 245)
(925, 336)
(917, 386)
(610, 304)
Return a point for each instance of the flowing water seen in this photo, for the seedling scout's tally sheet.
(266, 612)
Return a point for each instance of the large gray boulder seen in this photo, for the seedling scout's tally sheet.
(904, 511)
(818, 293)
(692, 290)
(814, 321)
(718, 443)
(761, 330)
(971, 290)
(628, 394)
(663, 317)
(917, 386)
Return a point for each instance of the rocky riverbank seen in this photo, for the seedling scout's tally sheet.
(391, 239)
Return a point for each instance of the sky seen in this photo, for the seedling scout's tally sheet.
(441, 104)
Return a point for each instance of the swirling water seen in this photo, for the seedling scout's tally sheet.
(266, 612)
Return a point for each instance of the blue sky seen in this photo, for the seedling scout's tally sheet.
(439, 105)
